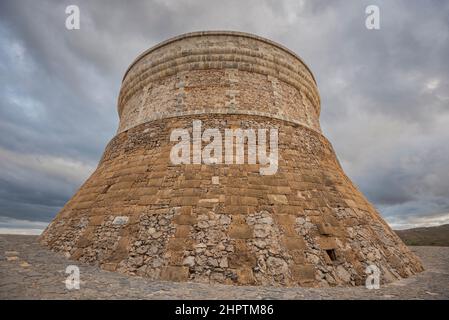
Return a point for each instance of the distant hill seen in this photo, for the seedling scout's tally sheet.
(431, 236)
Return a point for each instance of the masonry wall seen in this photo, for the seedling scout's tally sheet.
(140, 214)
(218, 73)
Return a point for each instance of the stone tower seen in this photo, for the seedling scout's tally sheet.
(139, 213)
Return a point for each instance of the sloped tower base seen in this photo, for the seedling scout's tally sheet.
(139, 213)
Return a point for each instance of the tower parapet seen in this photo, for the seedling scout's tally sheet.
(218, 72)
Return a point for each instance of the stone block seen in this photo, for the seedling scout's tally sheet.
(188, 201)
(282, 190)
(303, 272)
(120, 220)
(233, 210)
(240, 231)
(248, 201)
(298, 256)
(208, 203)
(175, 258)
(245, 276)
(184, 210)
(285, 219)
(96, 220)
(182, 231)
(175, 273)
(147, 200)
(184, 219)
(242, 259)
(121, 251)
(294, 243)
(177, 244)
(84, 242)
(277, 199)
(327, 243)
(109, 266)
(215, 180)
(77, 254)
(325, 229)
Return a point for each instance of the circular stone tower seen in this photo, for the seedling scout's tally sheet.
(304, 223)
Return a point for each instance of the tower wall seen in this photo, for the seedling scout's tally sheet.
(216, 72)
(139, 213)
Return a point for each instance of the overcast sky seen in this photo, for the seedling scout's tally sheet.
(384, 93)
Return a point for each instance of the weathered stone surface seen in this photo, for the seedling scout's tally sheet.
(140, 214)
(173, 273)
(277, 199)
(304, 272)
(120, 220)
(240, 231)
(184, 219)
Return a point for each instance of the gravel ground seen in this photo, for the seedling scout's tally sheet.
(29, 271)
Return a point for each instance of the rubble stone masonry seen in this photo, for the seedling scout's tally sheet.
(306, 225)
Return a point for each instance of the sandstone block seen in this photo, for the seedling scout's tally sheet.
(327, 243)
(184, 219)
(178, 244)
(240, 231)
(182, 231)
(175, 273)
(242, 259)
(326, 229)
(245, 276)
(304, 272)
(294, 243)
(277, 199)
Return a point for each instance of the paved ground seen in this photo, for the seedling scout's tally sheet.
(29, 271)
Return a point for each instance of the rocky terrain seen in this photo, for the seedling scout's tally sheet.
(429, 236)
(29, 271)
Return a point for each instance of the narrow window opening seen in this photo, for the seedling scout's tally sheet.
(332, 255)
(106, 189)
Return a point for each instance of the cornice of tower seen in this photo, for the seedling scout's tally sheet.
(216, 33)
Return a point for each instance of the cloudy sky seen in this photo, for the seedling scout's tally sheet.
(385, 93)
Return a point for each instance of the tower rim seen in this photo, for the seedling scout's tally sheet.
(216, 33)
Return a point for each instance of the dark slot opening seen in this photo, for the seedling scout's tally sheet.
(332, 255)
(105, 190)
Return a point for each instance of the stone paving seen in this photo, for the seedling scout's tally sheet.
(29, 271)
